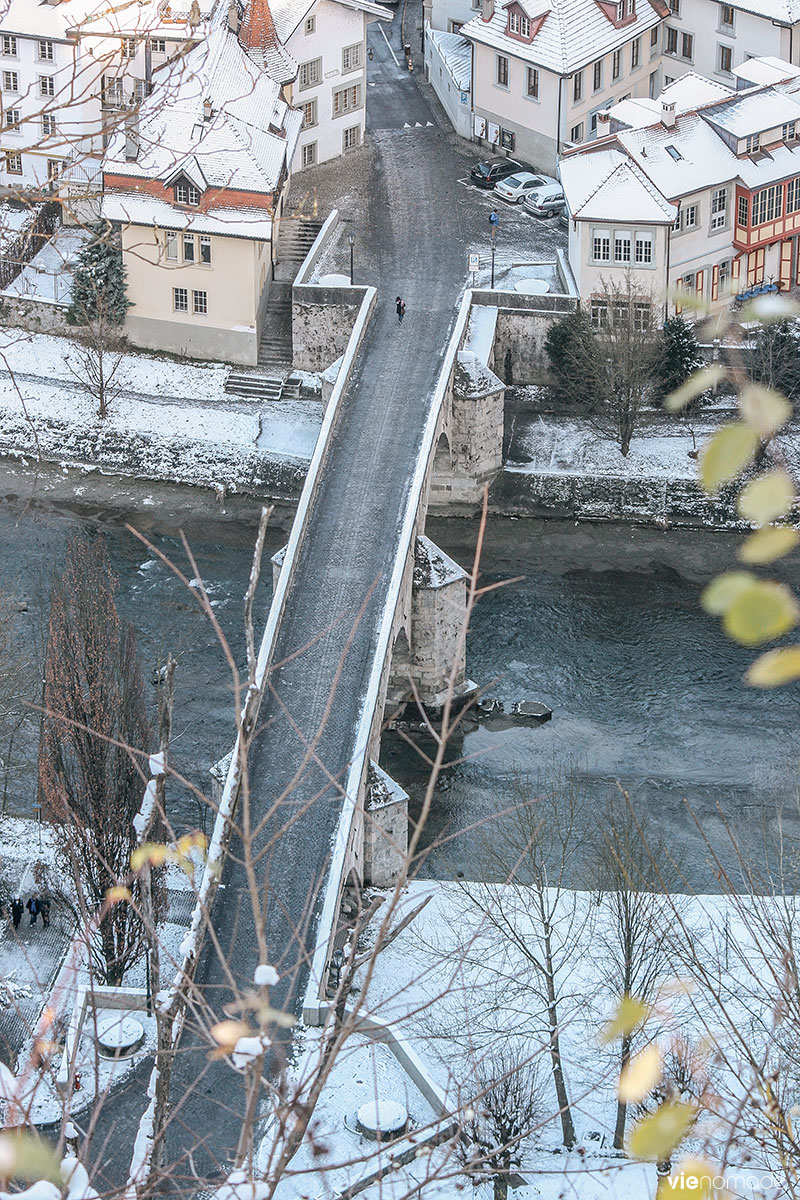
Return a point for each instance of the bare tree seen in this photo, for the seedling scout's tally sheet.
(509, 1105)
(91, 784)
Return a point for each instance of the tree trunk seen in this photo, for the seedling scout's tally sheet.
(567, 1127)
(622, 1107)
(500, 1187)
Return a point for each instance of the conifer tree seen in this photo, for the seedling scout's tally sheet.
(98, 281)
(678, 358)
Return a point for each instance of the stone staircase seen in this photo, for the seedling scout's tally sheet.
(258, 386)
(296, 237)
(275, 346)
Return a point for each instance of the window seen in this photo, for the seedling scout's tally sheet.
(767, 204)
(188, 247)
(159, 46)
(10, 81)
(654, 37)
(519, 24)
(200, 303)
(310, 25)
(112, 91)
(180, 299)
(671, 41)
(725, 59)
(675, 7)
(576, 133)
(601, 245)
(532, 89)
(48, 124)
(47, 85)
(12, 119)
(172, 247)
(308, 155)
(351, 137)
(726, 14)
(724, 274)
(205, 249)
(502, 70)
(14, 164)
(673, 151)
(622, 246)
(186, 193)
(752, 143)
(719, 208)
(346, 100)
(636, 46)
(690, 216)
(129, 47)
(9, 46)
(310, 73)
(577, 87)
(45, 50)
(741, 212)
(54, 168)
(309, 111)
(687, 282)
(621, 10)
(687, 45)
(597, 76)
(789, 131)
(599, 313)
(352, 58)
(793, 195)
(643, 252)
(668, 79)
(616, 64)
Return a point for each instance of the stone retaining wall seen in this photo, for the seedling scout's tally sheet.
(36, 316)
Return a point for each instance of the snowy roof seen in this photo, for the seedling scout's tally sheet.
(247, 142)
(457, 53)
(99, 17)
(686, 93)
(606, 186)
(754, 111)
(765, 70)
(288, 14)
(785, 12)
(574, 33)
(137, 208)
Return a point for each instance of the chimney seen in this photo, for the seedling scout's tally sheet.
(487, 9)
(131, 136)
(668, 114)
(603, 123)
(208, 111)
(233, 16)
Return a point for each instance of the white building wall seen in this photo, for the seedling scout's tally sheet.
(455, 102)
(320, 45)
(450, 15)
(750, 36)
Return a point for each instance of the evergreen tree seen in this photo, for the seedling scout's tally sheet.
(569, 341)
(678, 357)
(774, 357)
(98, 281)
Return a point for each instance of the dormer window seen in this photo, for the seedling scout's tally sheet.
(752, 143)
(187, 193)
(519, 24)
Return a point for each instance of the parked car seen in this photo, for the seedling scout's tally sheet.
(563, 217)
(487, 174)
(517, 187)
(546, 201)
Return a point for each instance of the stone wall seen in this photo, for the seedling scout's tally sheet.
(655, 500)
(37, 316)
(322, 321)
(385, 828)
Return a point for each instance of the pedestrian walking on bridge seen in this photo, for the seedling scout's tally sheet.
(17, 909)
(400, 305)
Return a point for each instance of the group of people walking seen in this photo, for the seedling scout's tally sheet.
(36, 906)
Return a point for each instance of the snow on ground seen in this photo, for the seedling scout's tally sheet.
(47, 276)
(458, 991)
(558, 445)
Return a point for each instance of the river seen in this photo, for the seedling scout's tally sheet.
(604, 626)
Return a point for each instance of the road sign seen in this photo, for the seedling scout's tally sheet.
(474, 262)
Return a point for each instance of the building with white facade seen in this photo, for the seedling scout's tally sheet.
(714, 38)
(69, 68)
(328, 41)
(698, 192)
(542, 70)
(196, 185)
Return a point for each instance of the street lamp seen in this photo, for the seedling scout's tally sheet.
(351, 237)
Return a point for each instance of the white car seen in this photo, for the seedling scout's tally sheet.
(515, 188)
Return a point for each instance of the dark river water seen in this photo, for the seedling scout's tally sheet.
(604, 626)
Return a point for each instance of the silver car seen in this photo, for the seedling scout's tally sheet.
(516, 187)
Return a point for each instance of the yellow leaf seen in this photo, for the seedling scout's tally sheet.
(730, 450)
(630, 1013)
(775, 667)
(227, 1033)
(769, 309)
(656, 1136)
(27, 1157)
(764, 409)
(693, 1178)
(766, 545)
(640, 1075)
(152, 853)
(766, 498)
(722, 591)
(760, 612)
(116, 894)
(191, 841)
(697, 383)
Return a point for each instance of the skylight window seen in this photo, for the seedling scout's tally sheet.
(674, 153)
